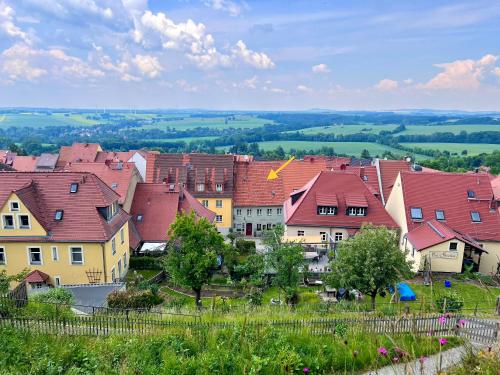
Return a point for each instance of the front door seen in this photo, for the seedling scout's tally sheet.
(248, 229)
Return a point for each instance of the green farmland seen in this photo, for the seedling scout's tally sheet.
(472, 148)
(42, 119)
(239, 122)
(347, 129)
(455, 129)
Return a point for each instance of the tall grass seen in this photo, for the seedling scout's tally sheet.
(236, 351)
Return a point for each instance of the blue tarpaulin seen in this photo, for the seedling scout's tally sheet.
(406, 293)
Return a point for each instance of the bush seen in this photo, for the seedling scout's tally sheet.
(245, 247)
(255, 297)
(450, 302)
(146, 263)
(56, 295)
(133, 299)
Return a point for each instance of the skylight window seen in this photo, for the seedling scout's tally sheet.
(140, 217)
(471, 194)
(74, 187)
(439, 215)
(59, 215)
(475, 216)
(416, 213)
(114, 185)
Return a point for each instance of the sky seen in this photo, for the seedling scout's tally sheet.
(250, 55)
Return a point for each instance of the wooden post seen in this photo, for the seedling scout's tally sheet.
(497, 309)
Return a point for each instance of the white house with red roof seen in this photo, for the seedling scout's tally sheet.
(332, 207)
(449, 219)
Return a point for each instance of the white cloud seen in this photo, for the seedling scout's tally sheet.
(258, 60)
(461, 74)
(321, 68)
(186, 87)
(305, 89)
(496, 72)
(408, 81)
(8, 26)
(231, 7)
(148, 65)
(70, 9)
(250, 83)
(23, 62)
(387, 85)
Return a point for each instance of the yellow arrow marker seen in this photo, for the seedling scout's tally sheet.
(273, 174)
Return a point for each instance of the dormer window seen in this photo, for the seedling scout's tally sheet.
(356, 211)
(439, 215)
(74, 187)
(416, 213)
(200, 187)
(218, 187)
(59, 215)
(471, 194)
(475, 217)
(114, 185)
(327, 210)
(14, 206)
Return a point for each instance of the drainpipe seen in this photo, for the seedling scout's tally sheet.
(104, 262)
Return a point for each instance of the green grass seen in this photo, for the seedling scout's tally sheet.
(187, 139)
(455, 129)
(38, 119)
(146, 274)
(348, 148)
(346, 129)
(240, 122)
(472, 148)
(242, 350)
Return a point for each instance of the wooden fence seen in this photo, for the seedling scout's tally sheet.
(474, 329)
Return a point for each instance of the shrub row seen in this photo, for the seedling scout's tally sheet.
(145, 263)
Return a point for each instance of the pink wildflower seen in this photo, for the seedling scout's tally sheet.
(443, 341)
(382, 351)
(442, 319)
(306, 370)
(462, 322)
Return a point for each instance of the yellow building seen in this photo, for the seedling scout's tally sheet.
(66, 225)
(223, 208)
(448, 218)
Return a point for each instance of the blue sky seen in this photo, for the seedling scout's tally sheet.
(232, 54)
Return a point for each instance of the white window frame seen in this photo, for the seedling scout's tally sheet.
(449, 246)
(113, 274)
(125, 261)
(217, 218)
(204, 203)
(279, 211)
(70, 252)
(269, 212)
(351, 211)
(218, 203)
(57, 281)
(421, 213)
(18, 206)
(259, 211)
(339, 236)
(259, 227)
(238, 212)
(122, 236)
(19, 221)
(269, 226)
(28, 250)
(323, 236)
(249, 212)
(200, 187)
(113, 246)
(56, 253)
(4, 253)
(120, 267)
(301, 233)
(13, 221)
(218, 187)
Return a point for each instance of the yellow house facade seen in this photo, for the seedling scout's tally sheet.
(76, 237)
(223, 208)
(438, 209)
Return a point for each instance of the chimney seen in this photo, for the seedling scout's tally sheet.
(362, 173)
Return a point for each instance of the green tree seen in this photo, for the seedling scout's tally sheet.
(370, 261)
(6, 280)
(365, 154)
(192, 254)
(287, 260)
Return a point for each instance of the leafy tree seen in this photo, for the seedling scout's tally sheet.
(193, 249)
(287, 260)
(5, 280)
(365, 154)
(369, 261)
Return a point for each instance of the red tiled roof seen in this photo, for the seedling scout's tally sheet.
(81, 152)
(355, 200)
(45, 193)
(123, 156)
(25, 163)
(159, 206)
(304, 211)
(327, 200)
(252, 187)
(193, 169)
(299, 172)
(434, 232)
(448, 192)
(117, 179)
(389, 170)
(369, 176)
(134, 238)
(36, 276)
(495, 185)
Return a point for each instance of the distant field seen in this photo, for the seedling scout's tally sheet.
(472, 148)
(346, 129)
(240, 122)
(187, 140)
(455, 129)
(348, 148)
(29, 119)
